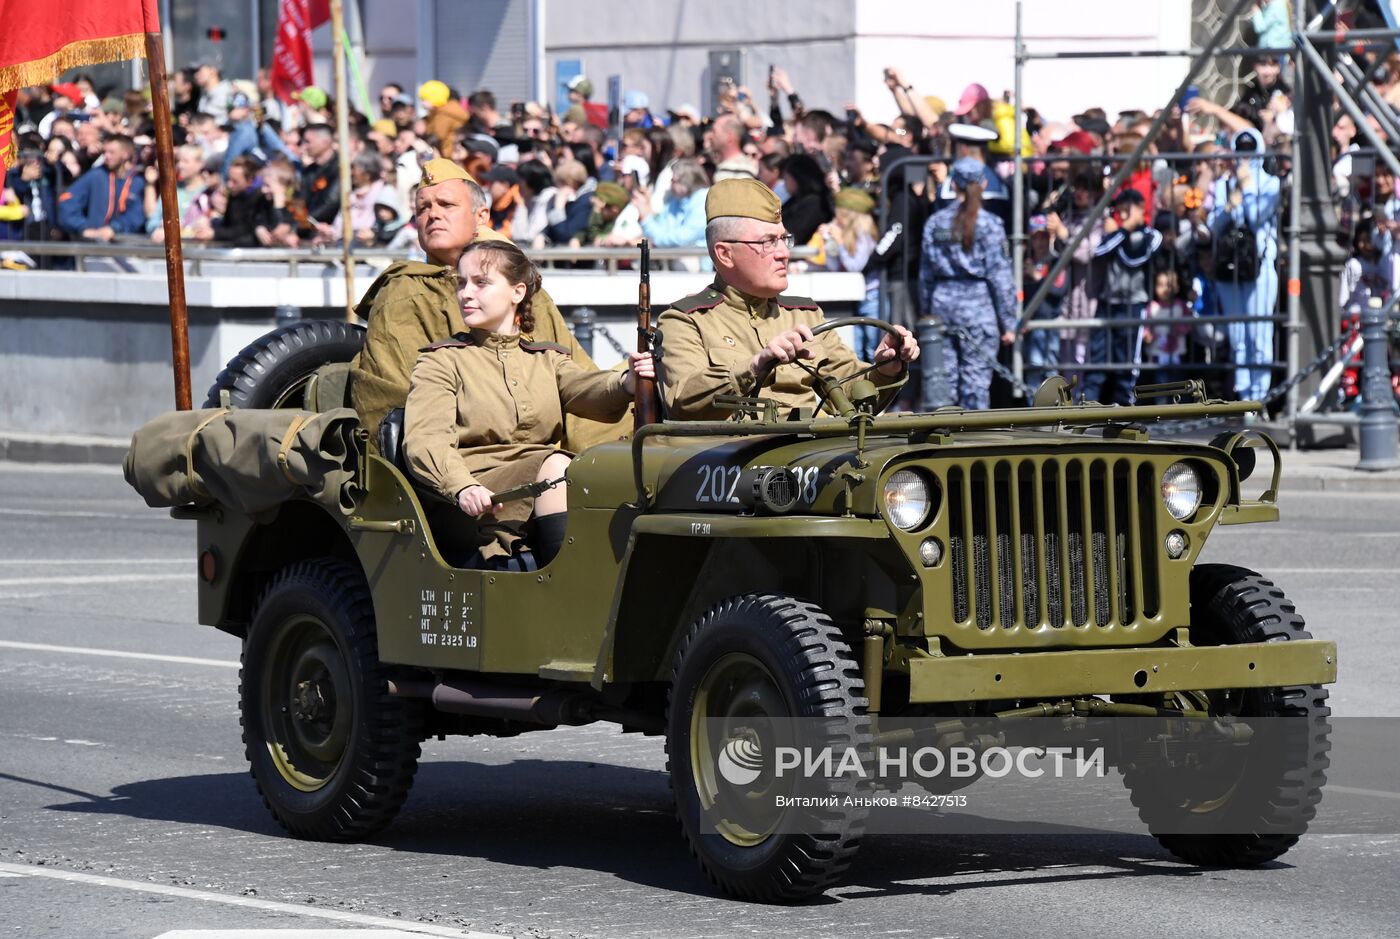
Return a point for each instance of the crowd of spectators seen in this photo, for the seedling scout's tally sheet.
(254, 171)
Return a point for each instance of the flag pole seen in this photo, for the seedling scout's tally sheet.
(342, 131)
(170, 212)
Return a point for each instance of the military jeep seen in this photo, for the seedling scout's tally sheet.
(717, 577)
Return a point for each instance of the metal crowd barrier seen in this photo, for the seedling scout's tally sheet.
(330, 256)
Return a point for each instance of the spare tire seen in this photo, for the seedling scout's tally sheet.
(273, 370)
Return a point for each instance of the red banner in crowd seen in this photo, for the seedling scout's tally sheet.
(40, 40)
(291, 54)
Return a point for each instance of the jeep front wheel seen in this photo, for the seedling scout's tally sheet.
(755, 674)
(1239, 805)
(332, 752)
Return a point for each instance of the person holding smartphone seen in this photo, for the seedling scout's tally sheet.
(1126, 251)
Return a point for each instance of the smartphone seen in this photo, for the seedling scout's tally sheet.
(517, 110)
(1188, 95)
(852, 116)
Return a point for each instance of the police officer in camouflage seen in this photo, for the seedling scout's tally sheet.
(965, 280)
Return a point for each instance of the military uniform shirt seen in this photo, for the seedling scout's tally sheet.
(413, 304)
(706, 342)
(488, 409)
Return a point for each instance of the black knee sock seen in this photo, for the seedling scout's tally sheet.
(549, 536)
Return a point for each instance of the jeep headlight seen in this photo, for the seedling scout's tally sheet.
(907, 499)
(1181, 490)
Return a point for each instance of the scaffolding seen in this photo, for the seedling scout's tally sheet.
(1312, 259)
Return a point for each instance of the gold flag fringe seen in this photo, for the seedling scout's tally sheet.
(7, 125)
(74, 55)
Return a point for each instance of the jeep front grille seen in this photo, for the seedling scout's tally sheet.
(1052, 543)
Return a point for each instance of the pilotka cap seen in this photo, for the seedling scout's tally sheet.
(441, 170)
(745, 198)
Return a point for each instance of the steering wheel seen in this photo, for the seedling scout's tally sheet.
(765, 372)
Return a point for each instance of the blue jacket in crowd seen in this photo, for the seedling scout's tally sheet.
(258, 139)
(680, 223)
(98, 198)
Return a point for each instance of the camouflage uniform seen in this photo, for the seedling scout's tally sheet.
(414, 304)
(972, 289)
(705, 342)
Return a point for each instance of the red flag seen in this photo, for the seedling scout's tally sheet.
(37, 43)
(291, 54)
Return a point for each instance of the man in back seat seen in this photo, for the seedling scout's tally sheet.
(414, 304)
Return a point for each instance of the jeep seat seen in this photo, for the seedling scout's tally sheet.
(454, 532)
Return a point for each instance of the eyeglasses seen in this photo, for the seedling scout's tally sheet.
(765, 246)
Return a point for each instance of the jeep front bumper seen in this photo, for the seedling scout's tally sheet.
(1046, 675)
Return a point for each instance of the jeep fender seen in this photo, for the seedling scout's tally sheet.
(679, 565)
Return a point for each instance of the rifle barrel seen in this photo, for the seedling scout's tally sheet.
(645, 410)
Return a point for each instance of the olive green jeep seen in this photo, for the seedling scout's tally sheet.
(852, 567)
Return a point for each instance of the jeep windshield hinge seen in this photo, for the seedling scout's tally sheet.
(761, 409)
(1193, 389)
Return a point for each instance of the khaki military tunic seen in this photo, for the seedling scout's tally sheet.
(706, 342)
(414, 304)
(486, 410)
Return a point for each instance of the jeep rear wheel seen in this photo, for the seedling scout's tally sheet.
(1242, 805)
(332, 752)
(756, 673)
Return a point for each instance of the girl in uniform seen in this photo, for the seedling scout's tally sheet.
(485, 410)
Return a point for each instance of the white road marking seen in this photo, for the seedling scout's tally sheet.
(59, 513)
(77, 580)
(292, 909)
(98, 562)
(116, 654)
(1353, 791)
(288, 933)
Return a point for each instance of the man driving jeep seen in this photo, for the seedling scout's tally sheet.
(414, 304)
(720, 341)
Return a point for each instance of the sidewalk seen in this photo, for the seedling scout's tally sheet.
(1312, 470)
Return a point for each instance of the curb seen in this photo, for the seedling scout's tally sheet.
(1362, 481)
(80, 450)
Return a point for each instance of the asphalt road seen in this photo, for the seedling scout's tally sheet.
(126, 808)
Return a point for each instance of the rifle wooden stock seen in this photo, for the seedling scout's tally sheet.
(645, 410)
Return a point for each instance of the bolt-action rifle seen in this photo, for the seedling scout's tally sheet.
(645, 411)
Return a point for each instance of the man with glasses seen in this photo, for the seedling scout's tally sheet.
(721, 340)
